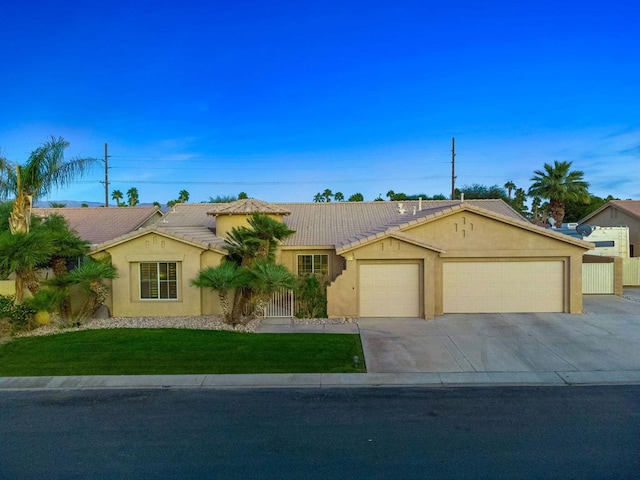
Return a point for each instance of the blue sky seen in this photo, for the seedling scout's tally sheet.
(282, 99)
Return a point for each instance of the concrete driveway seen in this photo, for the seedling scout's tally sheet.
(606, 338)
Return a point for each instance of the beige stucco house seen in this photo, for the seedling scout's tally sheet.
(383, 259)
(619, 213)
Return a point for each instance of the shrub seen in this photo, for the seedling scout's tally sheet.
(311, 297)
(19, 317)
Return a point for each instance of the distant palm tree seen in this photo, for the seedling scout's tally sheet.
(338, 197)
(391, 194)
(57, 205)
(510, 186)
(242, 196)
(559, 184)
(183, 196)
(44, 170)
(132, 195)
(318, 198)
(117, 196)
(327, 195)
(356, 197)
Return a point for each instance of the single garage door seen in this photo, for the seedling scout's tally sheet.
(390, 290)
(492, 287)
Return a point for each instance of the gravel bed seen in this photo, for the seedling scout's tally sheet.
(205, 322)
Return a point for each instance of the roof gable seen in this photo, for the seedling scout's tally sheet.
(435, 214)
(630, 207)
(98, 225)
(199, 237)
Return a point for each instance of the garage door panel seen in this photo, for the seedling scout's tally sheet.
(389, 290)
(491, 287)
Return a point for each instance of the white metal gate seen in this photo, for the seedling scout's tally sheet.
(281, 304)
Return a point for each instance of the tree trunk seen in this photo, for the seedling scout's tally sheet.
(20, 218)
(556, 211)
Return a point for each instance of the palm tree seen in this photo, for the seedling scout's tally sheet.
(242, 196)
(183, 196)
(318, 198)
(132, 195)
(57, 205)
(269, 232)
(23, 253)
(266, 279)
(89, 278)
(338, 197)
(559, 184)
(510, 186)
(356, 197)
(67, 246)
(391, 194)
(117, 196)
(225, 277)
(327, 194)
(44, 170)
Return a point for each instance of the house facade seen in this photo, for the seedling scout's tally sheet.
(619, 213)
(381, 259)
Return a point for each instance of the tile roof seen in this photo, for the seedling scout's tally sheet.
(248, 206)
(98, 225)
(334, 223)
(199, 236)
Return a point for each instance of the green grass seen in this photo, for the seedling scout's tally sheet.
(175, 351)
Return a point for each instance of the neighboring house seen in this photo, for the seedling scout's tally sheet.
(383, 259)
(616, 213)
(98, 225)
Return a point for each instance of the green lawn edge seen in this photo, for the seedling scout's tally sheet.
(179, 351)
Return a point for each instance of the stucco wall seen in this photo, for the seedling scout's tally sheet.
(462, 236)
(152, 247)
(225, 223)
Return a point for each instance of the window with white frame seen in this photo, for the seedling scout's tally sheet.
(158, 280)
(313, 265)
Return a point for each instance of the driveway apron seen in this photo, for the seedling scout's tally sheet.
(605, 338)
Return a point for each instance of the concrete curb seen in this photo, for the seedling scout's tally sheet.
(321, 380)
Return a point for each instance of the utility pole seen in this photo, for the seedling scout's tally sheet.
(453, 168)
(106, 176)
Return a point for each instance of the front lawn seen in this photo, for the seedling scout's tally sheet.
(177, 351)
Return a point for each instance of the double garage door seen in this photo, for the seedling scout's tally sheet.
(394, 290)
(492, 287)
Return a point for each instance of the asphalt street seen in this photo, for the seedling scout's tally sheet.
(499, 432)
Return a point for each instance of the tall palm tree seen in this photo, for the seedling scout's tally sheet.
(510, 186)
(327, 194)
(338, 197)
(183, 196)
(117, 196)
(318, 198)
(558, 184)
(132, 195)
(44, 170)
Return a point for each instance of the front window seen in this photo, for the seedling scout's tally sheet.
(159, 280)
(313, 265)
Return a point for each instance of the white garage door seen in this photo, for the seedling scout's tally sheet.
(390, 290)
(492, 287)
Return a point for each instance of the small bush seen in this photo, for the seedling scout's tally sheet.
(311, 297)
(19, 317)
